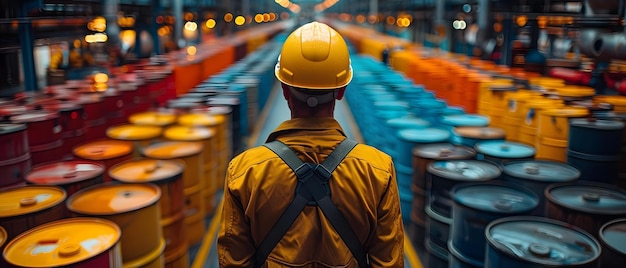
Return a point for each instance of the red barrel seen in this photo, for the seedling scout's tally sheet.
(14, 154)
(72, 120)
(44, 135)
(72, 175)
(114, 103)
(95, 115)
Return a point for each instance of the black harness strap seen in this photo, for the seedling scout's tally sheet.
(312, 188)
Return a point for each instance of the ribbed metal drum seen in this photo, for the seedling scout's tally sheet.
(409, 138)
(71, 175)
(587, 205)
(536, 175)
(76, 242)
(612, 236)
(501, 152)
(140, 135)
(14, 154)
(44, 135)
(437, 256)
(109, 152)
(533, 242)
(450, 122)
(469, 136)
(72, 121)
(475, 206)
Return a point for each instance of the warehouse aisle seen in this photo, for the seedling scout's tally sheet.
(277, 111)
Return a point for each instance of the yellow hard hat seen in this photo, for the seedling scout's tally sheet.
(316, 57)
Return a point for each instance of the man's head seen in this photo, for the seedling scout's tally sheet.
(314, 65)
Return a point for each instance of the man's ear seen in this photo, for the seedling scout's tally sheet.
(340, 93)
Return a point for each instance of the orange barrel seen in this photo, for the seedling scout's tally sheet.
(513, 117)
(167, 174)
(553, 131)
(469, 136)
(159, 118)
(14, 154)
(72, 175)
(135, 209)
(207, 137)
(44, 135)
(75, 242)
(190, 153)
(110, 152)
(529, 111)
(25, 207)
(218, 120)
(141, 135)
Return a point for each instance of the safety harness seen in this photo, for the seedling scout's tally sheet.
(312, 189)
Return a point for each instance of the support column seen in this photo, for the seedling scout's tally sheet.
(177, 8)
(25, 29)
(157, 9)
(110, 10)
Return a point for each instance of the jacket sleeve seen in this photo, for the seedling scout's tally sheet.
(234, 244)
(386, 249)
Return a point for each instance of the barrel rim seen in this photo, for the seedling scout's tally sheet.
(417, 151)
(51, 205)
(510, 185)
(455, 253)
(178, 162)
(558, 202)
(79, 193)
(433, 171)
(600, 235)
(507, 170)
(62, 162)
(17, 128)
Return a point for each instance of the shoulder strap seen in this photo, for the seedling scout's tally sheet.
(313, 177)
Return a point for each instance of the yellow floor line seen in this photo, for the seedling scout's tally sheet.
(410, 254)
(209, 238)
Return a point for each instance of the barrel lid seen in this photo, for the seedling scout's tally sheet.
(565, 112)
(391, 105)
(146, 170)
(10, 128)
(188, 133)
(428, 103)
(65, 172)
(62, 243)
(542, 170)
(464, 170)
(504, 149)
(613, 235)
(407, 122)
(544, 103)
(63, 106)
(444, 151)
(613, 99)
(482, 133)
(132, 132)
(172, 149)
(593, 198)
(542, 241)
(200, 119)
(88, 98)
(113, 198)
(575, 91)
(495, 197)
(14, 109)
(35, 116)
(426, 135)
(465, 120)
(29, 199)
(152, 118)
(104, 149)
(596, 124)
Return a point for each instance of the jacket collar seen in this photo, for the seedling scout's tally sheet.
(322, 126)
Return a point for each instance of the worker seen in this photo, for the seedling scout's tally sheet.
(284, 212)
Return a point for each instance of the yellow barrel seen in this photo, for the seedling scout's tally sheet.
(135, 209)
(109, 152)
(177, 259)
(25, 207)
(618, 102)
(75, 242)
(529, 112)
(190, 153)
(141, 135)
(167, 174)
(207, 137)
(546, 83)
(513, 116)
(217, 119)
(553, 131)
(491, 94)
(153, 118)
(3, 239)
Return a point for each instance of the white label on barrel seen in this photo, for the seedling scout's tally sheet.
(56, 129)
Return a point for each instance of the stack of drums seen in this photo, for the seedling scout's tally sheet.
(612, 236)
(168, 175)
(442, 177)
(423, 156)
(72, 122)
(500, 152)
(475, 206)
(135, 209)
(71, 175)
(209, 175)
(109, 152)
(44, 135)
(469, 136)
(234, 112)
(514, 115)
(191, 154)
(400, 123)
(537, 175)
(491, 100)
(553, 131)
(25, 207)
(14, 154)
(141, 136)
(79, 242)
(594, 148)
(529, 112)
(524, 241)
(586, 205)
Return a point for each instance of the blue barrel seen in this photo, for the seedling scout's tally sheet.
(475, 206)
(399, 123)
(409, 138)
(427, 109)
(612, 236)
(443, 176)
(469, 136)
(406, 199)
(501, 152)
(594, 148)
(437, 256)
(534, 242)
(588, 205)
(437, 228)
(453, 110)
(537, 175)
(449, 122)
